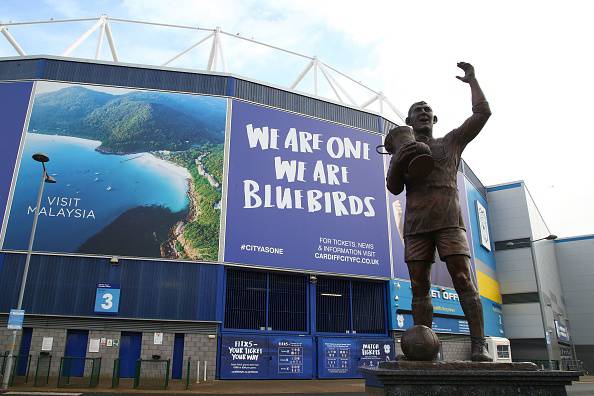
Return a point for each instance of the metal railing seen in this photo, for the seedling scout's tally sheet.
(17, 365)
(78, 371)
(152, 373)
(42, 370)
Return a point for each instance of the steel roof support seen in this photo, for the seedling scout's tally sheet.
(220, 51)
(315, 72)
(370, 101)
(12, 41)
(303, 73)
(84, 36)
(395, 110)
(110, 41)
(100, 41)
(331, 84)
(344, 92)
(188, 49)
(217, 59)
(212, 58)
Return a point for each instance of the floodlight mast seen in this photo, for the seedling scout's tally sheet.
(216, 60)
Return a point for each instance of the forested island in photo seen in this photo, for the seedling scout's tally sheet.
(149, 164)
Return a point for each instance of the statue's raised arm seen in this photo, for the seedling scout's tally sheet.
(480, 108)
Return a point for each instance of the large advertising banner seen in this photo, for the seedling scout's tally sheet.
(15, 102)
(138, 173)
(305, 194)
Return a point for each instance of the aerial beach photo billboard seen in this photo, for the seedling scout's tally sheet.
(139, 173)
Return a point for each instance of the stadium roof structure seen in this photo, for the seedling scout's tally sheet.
(325, 81)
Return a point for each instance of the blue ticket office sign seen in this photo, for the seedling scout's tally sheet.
(246, 356)
(107, 298)
(342, 357)
(291, 358)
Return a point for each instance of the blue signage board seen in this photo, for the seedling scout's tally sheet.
(15, 319)
(107, 298)
(337, 358)
(306, 175)
(341, 357)
(493, 317)
(374, 351)
(445, 301)
(244, 357)
(291, 357)
(440, 324)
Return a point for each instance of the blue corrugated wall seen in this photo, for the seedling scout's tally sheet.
(59, 285)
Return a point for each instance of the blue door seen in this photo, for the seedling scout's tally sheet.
(75, 352)
(178, 356)
(24, 351)
(129, 353)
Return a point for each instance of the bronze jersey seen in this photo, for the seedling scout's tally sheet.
(432, 203)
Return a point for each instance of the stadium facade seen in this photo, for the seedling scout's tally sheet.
(208, 218)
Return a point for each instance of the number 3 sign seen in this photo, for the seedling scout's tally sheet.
(107, 298)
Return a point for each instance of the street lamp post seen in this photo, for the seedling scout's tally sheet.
(540, 299)
(45, 178)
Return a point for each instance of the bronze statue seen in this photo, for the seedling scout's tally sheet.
(432, 217)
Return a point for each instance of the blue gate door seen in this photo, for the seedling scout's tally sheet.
(129, 353)
(24, 351)
(178, 356)
(76, 347)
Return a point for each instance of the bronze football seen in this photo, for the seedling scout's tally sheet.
(420, 343)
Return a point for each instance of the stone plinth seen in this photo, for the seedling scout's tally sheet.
(407, 378)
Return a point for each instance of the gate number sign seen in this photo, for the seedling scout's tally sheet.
(107, 298)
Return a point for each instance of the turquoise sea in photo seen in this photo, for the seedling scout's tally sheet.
(93, 188)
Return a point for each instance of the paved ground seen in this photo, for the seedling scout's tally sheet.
(270, 388)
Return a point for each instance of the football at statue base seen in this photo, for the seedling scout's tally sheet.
(420, 343)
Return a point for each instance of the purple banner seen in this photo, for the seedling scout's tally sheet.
(15, 101)
(305, 194)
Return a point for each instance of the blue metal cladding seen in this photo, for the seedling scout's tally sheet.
(305, 105)
(61, 285)
(21, 69)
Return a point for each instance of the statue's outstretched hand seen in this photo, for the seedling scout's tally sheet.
(468, 72)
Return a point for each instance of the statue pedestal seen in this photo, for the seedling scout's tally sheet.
(458, 378)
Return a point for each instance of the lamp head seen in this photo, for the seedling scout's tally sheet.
(40, 157)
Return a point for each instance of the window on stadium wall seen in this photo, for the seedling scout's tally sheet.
(259, 301)
(350, 306)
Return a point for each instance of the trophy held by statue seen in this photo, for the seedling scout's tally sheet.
(415, 157)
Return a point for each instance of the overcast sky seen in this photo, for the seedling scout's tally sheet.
(534, 60)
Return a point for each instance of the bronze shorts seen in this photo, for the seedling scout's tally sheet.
(449, 242)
